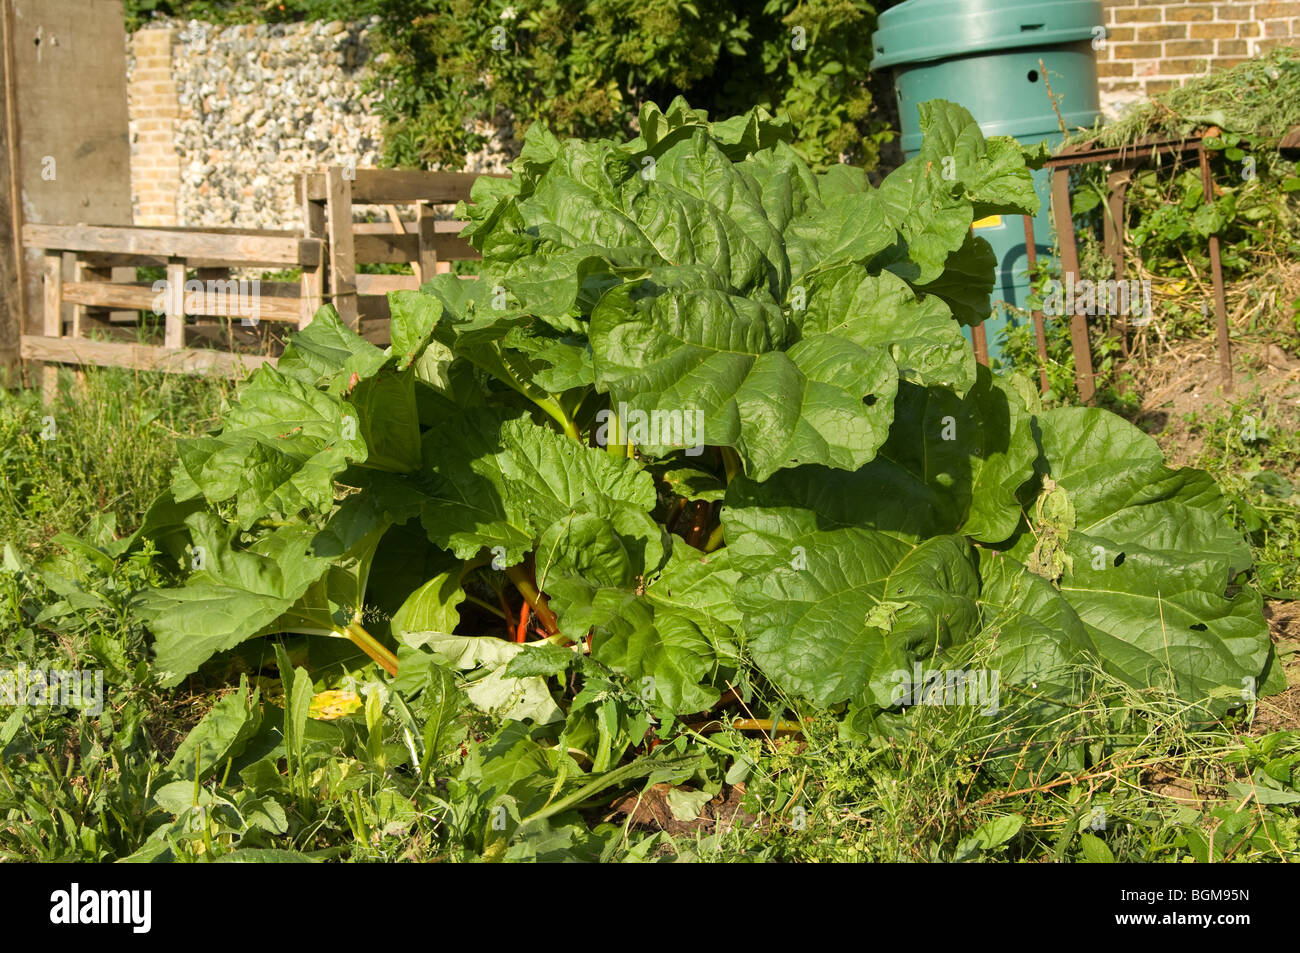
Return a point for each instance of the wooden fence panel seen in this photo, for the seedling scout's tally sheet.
(327, 250)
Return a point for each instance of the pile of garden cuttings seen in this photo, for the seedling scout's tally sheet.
(1167, 370)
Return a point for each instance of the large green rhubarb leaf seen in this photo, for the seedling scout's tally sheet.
(834, 614)
(931, 199)
(659, 612)
(713, 273)
(731, 360)
(665, 627)
(297, 578)
(1144, 556)
(1152, 555)
(327, 353)
(950, 465)
(231, 596)
(330, 402)
(280, 447)
(496, 482)
(920, 335)
(989, 172)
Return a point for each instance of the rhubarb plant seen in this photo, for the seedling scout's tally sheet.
(705, 417)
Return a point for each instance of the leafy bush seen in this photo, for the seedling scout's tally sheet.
(703, 406)
(139, 12)
(449, 67)
(585, 68)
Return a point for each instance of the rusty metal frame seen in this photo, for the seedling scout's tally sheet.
(1128, 157)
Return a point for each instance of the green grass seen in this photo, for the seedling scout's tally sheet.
(104, 446)
(1132, 781)
(952, 788)
(94, 458)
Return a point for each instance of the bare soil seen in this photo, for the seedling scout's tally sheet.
(650, 809)
(1187, 382)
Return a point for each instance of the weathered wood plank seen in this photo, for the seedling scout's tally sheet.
(382, 284)
(386, 248)
(442, 226)
(374, 308)
(83, 274)
(277, 301)
(12, 281)
(343, 261)
(390, 248)
(376, 331)
(141, 356)
(426, 228)
(52, 274)
(174, 305)
(258, 250)
(312, 284)
(1061, 214)
(117, 260)
(387, 186)
(226, 230)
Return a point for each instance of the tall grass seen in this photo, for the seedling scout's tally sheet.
(106, 445)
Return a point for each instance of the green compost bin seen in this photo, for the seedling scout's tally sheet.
(984, 54)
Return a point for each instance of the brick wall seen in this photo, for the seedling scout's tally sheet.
(1153, 45)
(154, 112)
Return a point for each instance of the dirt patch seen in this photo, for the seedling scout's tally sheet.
(1281, 712)
(1180, 377)
(173, 717)
(1164, 783)
(663, 807)
(1187, 384)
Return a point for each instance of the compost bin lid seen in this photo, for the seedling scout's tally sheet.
(919, 30)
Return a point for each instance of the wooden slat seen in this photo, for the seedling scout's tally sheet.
(374, 309)
(83, 274)
(1040, 333)
(1113, 243)
(382, 284)
(141, 356)
(385, 186)
(277, 301)
(17, 321)
(389, 248)
(311, 291)
(980, 343)
(123, 260)
(53, 319)
(343, 261)
(224, 230)
(442, 226)
(386, 248)
(53, 273)
(1216, 273)
(1063, 216)
(376, 331)
(426, 228)
(174, 305)
(124, 239)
